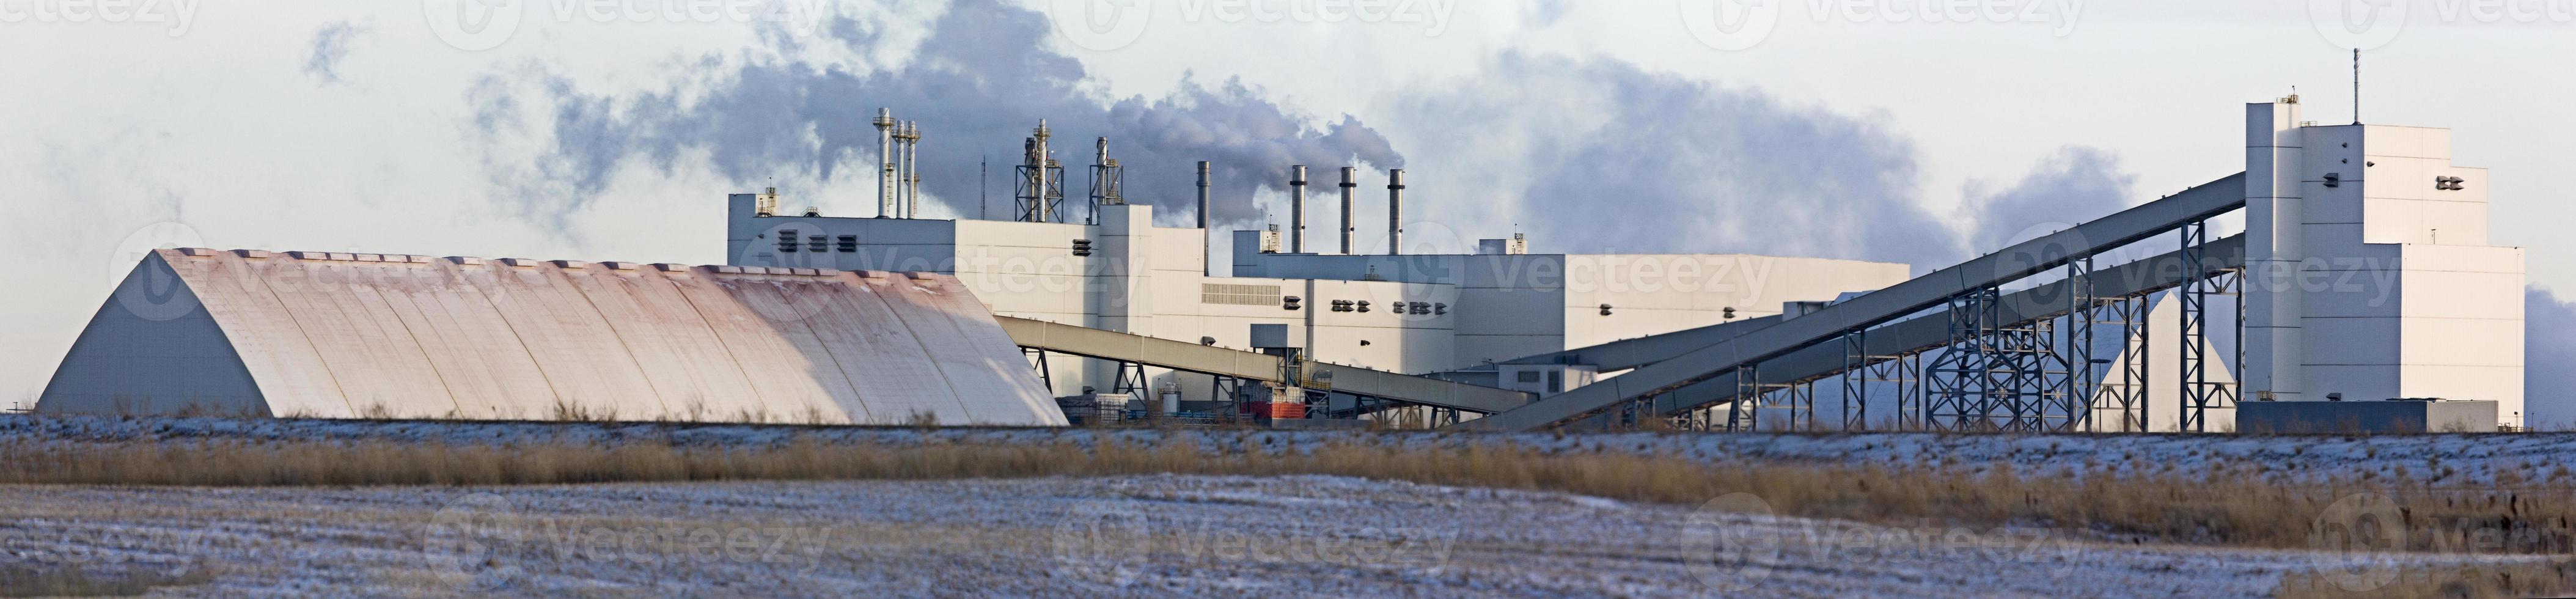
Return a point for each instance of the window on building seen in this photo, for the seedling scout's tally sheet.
(787, 241)
(1556, 381)
(818, 243)
(1529, 376)
(848, 244)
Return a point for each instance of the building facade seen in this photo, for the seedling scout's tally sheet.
(1413, 314)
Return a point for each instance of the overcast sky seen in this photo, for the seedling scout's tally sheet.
(1906, 130)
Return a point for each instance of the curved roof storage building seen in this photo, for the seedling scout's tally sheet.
(338, 335)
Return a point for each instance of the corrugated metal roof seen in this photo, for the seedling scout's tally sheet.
(336, 335)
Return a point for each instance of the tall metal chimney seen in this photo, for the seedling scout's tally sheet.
(1203, 194)
(885, 162)
(1348, 177)
(1395, 212)
(912, 169)
(1297, 209)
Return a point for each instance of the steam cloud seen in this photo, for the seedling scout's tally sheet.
(2549, 361)
(1623, 160)
(978, 84)
(2077, 184)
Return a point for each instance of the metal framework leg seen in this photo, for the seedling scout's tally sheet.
(1046, 376)
(1227, 392)
(1856, 367)
(2082, 384)
(1131, 379)
(2199, 394)
(1957, 382)
(1742, 414)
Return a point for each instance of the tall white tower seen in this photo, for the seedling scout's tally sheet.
(885, 162)
(2372, 277)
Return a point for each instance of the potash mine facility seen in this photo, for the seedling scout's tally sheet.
(2363, 295)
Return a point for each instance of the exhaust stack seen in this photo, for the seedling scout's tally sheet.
(1348, 175)
(1203, 194)
(1395, 212)
(1297, 209)
(885, 162)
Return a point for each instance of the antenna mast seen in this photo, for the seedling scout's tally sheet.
(2356, 86)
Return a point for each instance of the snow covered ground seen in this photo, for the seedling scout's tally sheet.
(1131, 536)
(1159, 535)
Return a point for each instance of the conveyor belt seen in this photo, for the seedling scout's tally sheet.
(1704, 375)
(1192, 357)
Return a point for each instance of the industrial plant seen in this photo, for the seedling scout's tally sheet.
(2363, 293)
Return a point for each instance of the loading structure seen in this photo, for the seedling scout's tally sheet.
(1957, 349)
(1228, 368)
(2364, 275)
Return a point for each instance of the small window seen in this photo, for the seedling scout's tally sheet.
(1556, 381)
(849, 243)
(818, 243)
(787, 241)
(1529, 376)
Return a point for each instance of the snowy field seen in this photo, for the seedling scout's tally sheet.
(1132, 536)
(1158, 535)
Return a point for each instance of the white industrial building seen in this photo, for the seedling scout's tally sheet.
(1411, 314)
(2372, 276)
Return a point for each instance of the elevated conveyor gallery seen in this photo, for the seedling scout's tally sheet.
(1707, 374)
(1243, 365)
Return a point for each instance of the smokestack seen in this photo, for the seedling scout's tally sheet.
(1297, 209)
(912, 169)
(1203, 194)
(1348, 175)
(1395, 212)
(885, 162)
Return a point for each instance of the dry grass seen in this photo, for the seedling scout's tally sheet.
(2555, 579)
(31, 581)
(2221, 508)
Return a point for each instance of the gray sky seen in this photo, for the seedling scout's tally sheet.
(575, 129)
